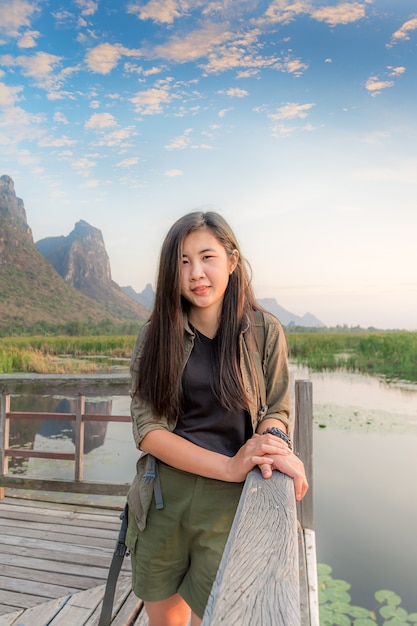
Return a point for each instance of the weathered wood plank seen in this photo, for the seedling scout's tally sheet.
(20, 600)
(10, 618)
(257, 583)
(313, 586)
(59, 517)
(42, 560)
(53, 567)
(38, 615)
(102, 535)
(36, 588)
(76, 556)
(59, 578)
(65, 486)
(303, 446)
(123, 589)
(129, 613)
(304, 599)
(56, 538)
(56, 546)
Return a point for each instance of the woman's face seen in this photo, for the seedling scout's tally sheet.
(205, 271)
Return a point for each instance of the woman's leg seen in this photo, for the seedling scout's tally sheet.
(195, 620)
(173, 611)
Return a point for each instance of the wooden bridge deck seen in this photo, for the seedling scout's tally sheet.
(54, 560)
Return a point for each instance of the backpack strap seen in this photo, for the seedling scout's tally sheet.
(259, 349)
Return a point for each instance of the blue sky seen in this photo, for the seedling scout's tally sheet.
(295, 120)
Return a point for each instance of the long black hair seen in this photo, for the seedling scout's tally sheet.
(162, 360)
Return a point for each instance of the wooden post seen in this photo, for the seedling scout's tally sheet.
(257, 583)
(79, 439)
(303, 445)
(4, 437)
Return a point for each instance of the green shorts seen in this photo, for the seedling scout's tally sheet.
(180, 549)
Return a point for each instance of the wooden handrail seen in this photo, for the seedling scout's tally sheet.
(78, 485)
(259, 577)
(257, 582)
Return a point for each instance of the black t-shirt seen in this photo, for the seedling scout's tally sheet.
(204, 420)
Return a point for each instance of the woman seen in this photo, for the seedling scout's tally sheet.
(196, 408)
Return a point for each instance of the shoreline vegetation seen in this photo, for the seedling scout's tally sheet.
(392, 355)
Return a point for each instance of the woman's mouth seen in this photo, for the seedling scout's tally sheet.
(200, 291)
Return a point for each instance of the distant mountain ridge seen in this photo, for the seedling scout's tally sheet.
(82, 261)
(32, 293)
(146, 298)
(308, 320)
(68, 278)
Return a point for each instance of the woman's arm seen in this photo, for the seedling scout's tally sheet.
(184, 455)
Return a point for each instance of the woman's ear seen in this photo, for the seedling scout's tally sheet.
(234, 258)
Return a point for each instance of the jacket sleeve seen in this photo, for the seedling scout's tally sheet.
(276, 371)
(142, 419)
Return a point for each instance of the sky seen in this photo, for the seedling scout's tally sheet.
(296, 120)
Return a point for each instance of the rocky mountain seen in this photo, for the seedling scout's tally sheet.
(82, 261)
(290, 319)
(32, 293)
(146, 297)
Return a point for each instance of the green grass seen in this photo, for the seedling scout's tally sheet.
(62, 355)
(389, 354)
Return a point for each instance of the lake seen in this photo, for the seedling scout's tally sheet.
(365, 469)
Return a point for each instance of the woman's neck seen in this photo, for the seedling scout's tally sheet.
(204, 321)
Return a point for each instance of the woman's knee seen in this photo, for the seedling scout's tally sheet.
(173, 611)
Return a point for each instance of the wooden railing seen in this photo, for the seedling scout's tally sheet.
(268, 575)
(78, 484)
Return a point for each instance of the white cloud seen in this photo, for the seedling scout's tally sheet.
(283, 12)
(16, 14)
(191, 46)
(181, 142)
(173, 173)
(292, 110)
(19, 125)
(60, 118)
(98, 121)
(28, 39)
(120, 138)
(9, 95)
(344, 13)
(151, 101)
(83, 165)
(59, 142)
(396, 71)
(92, 183)
(374, 85)
(104, 57)
(128, 162)
(88, 7)
(161, 11)
(403, 33)
(235, 92)
(39, 67)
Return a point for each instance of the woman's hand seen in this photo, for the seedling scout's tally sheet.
(291, 465)
(259, 450)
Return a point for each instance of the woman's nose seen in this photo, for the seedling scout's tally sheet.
(196, 271)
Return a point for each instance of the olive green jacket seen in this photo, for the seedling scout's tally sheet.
(271, 345)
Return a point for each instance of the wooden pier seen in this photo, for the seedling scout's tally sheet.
(54, 557)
